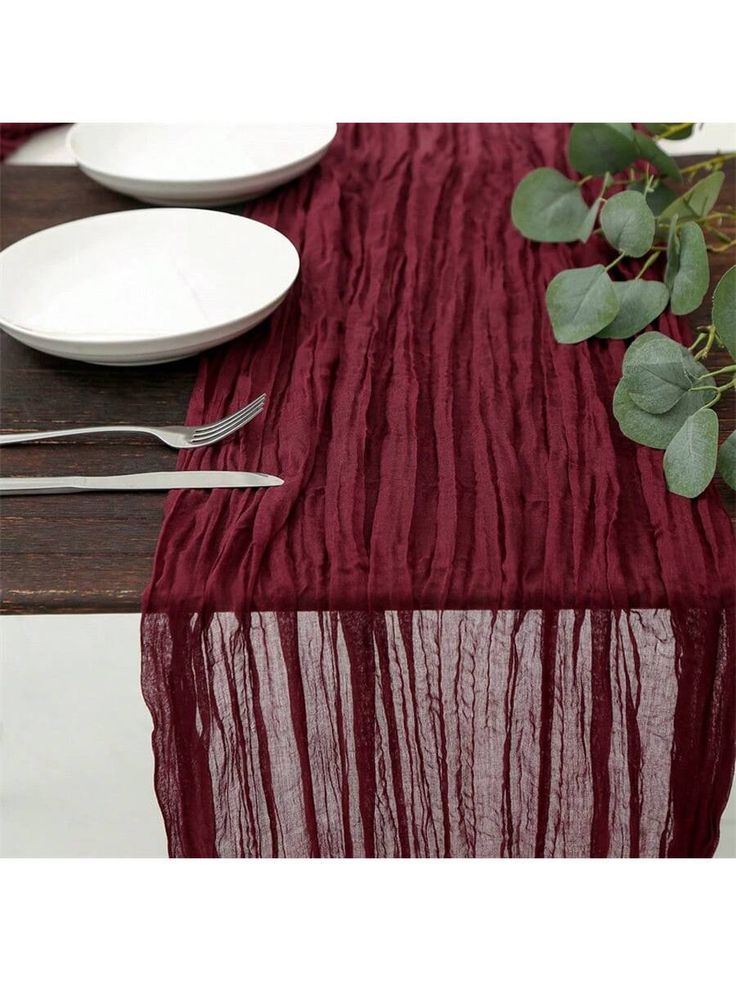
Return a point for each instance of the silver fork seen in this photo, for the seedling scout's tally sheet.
(180, 437)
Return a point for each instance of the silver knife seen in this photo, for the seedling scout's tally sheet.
(168, 480)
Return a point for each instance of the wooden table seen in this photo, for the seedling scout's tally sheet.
(93, 553)
(77, 553)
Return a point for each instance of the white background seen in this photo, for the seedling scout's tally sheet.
(77, 765)
(149, 60)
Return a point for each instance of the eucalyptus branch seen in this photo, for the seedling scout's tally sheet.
(673, 131)
(711, 164)
(655, 403)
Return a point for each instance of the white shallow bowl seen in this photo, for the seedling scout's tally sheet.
(140, 287)
(201, 165)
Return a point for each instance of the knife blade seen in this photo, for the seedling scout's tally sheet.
(166, 480)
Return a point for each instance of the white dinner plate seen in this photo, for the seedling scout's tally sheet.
(139, 287)
(174, 164)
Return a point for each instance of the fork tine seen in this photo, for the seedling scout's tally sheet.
(209, 440)
(217, 431)
(256, 404)
(204, 433)
(221, 434)
(258, 401)
(224, 427)
(225, 431)
(218, 437)
(235, 415)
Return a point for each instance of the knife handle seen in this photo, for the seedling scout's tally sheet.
(39, 485)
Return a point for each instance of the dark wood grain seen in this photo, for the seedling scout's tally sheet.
(88, 553)
(93, 553)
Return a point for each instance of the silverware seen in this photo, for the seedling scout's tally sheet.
(168, 480)
(180, 437)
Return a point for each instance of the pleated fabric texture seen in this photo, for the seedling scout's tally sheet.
(473, 621)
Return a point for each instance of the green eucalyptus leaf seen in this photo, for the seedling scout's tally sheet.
(580, 302)
(640, 301)
(658, 198)
(648, 150)
(696, 202)
(648, 429)
(689, 283)
(595, 148)
(727, 460)
(658, 371)
(690, 458)
(724, 310)
(628, 223)
(658, 128)
(548, 207)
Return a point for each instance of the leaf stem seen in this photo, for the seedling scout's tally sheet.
(707, 164)
(711, 216)
(695, 343)
(701, 336)
(728, 244)
(652, 258)
(708, 344)
(719, 371)
(719, 234)
(648, 184)
(672, 131)
(714, 388)
(615, 262)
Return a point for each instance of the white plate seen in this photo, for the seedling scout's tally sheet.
(139, 287)
(197, 164)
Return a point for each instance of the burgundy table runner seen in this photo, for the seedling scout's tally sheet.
(473, 621)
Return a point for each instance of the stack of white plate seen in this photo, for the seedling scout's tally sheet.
(139, 287)
(198, 164)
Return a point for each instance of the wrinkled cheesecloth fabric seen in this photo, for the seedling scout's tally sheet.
(473, 621)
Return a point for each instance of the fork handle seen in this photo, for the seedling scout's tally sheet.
(7, 438)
